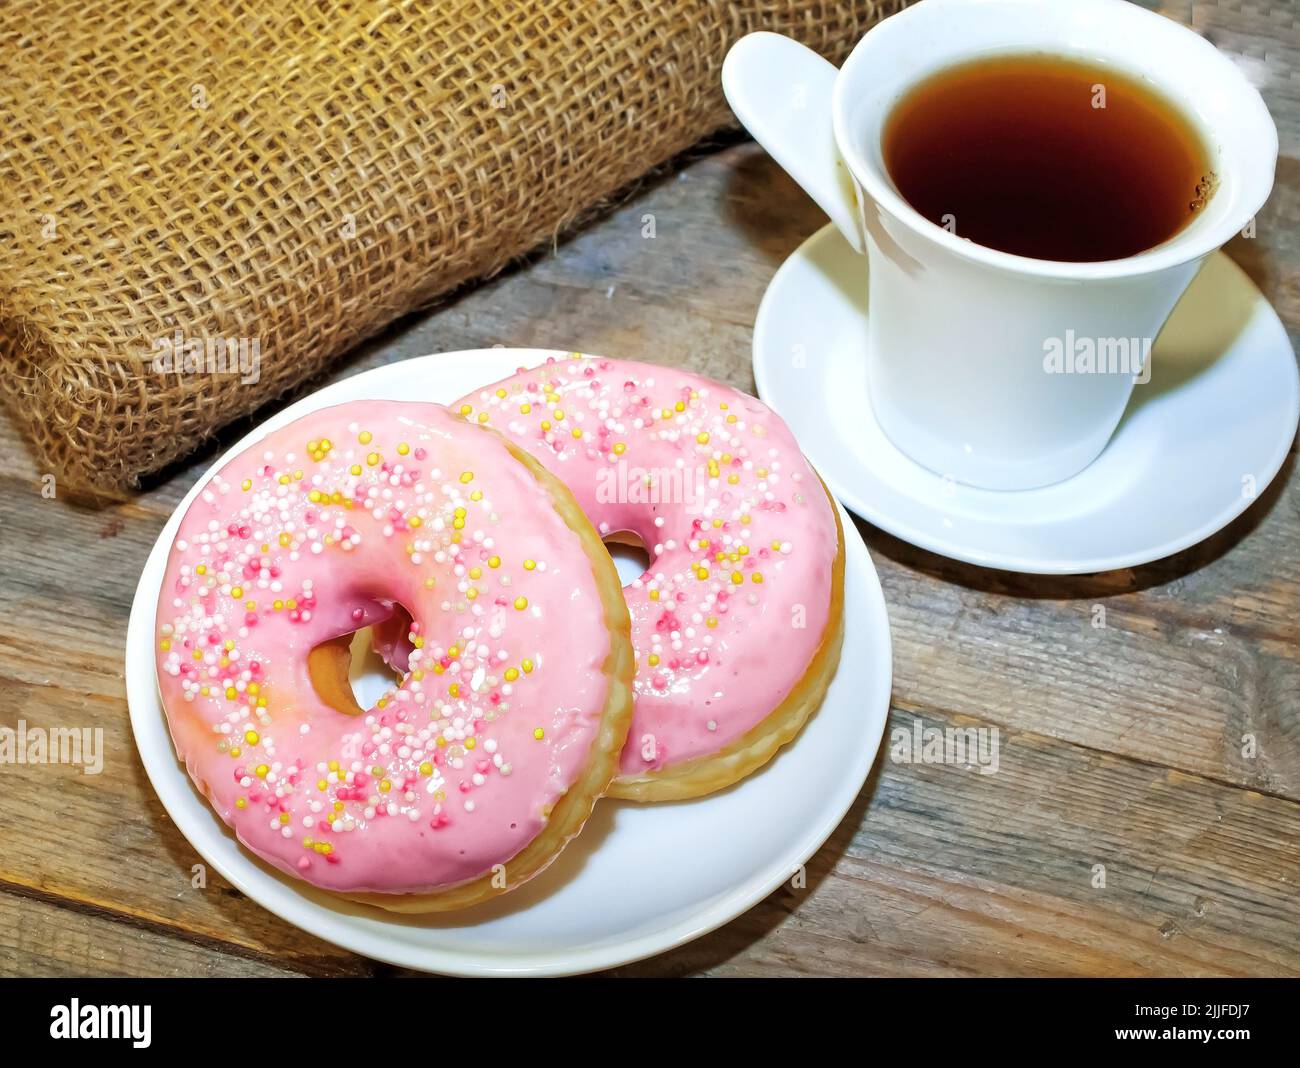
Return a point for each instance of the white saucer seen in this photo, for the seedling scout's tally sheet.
(640, 879)
(1215, 421)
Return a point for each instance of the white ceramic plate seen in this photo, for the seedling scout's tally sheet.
(640, 879)
(1198, 443)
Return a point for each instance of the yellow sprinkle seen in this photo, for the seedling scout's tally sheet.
(262, 770)
(546, 424)
(619, 448)
(365, 437)
(539, 734)
(577, 433)
(521, 603)
(757, 576)
(529, 565)
(231, 693)
(467, 477)
(527, 665)
(654, 659)
(322, 785)
(680, 406)
(241, 803)
(524, 409)
(654, 595)
(454, 689)
(236, 751)
(252, 737)
(372, 459)
(472, 593)
(482, 417)
(246, 485)
(202, 569)
(737, 578)
(470, 743)
(165, 644)
(477, 495)
(465, 409)
(426, 769)
(355, 469)
(702, 437)
(415, 522)
(385, 786)
(512, 674)
(403, 449)
(494, 561)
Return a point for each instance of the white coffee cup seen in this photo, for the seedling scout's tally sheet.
(962, 339)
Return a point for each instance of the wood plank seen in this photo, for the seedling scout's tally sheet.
(43, 940)
(941, 870)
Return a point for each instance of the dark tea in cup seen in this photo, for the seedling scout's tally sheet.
(1048, 157)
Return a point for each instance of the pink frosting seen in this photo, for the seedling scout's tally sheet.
(321, 529)
(740, 534)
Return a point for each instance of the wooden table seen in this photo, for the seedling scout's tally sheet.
(1121, 747)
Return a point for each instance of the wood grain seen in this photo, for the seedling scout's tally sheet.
(1121, 746)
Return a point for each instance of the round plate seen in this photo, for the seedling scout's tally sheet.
(1197, 445)
(640, 879)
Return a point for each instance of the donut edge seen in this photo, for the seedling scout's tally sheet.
(571, 810)
(708, 774)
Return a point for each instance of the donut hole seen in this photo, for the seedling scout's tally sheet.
(353, 671)
(631, 558)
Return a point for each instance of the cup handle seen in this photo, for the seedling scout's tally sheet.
(781, 93)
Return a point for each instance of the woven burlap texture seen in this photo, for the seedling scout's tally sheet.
(294, 175)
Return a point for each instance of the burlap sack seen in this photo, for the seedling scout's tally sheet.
(202, 202)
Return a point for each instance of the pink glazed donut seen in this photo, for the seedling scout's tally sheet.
(738, 620)
(469, 776)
